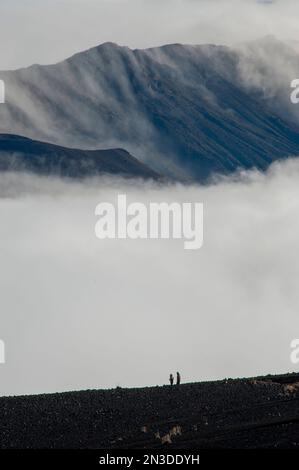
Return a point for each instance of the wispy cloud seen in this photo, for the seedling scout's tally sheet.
(47, 31)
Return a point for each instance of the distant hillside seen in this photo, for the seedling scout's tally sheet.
(244, 413)
(187, 111)
(19, 153)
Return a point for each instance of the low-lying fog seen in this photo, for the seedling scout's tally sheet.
(78, 312)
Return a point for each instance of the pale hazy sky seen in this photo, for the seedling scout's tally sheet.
(46, 31)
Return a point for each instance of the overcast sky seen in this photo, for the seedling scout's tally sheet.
(46, 31)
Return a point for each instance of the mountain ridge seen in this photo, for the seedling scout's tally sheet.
(18, 153)
(186, 111)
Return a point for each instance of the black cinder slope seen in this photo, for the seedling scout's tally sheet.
(21, 154)
(243, 413)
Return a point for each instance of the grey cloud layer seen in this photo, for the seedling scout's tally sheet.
(136, 23)
(83, 313)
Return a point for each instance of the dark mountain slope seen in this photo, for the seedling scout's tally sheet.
(19, 153)
(185, 110)
(244, 413)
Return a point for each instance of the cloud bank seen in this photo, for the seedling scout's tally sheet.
(82, 313)
(63, 27)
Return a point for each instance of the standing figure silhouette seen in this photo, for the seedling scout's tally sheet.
(178, 378)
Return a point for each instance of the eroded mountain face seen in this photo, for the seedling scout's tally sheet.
(186, 111)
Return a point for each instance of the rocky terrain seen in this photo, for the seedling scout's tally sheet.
(242, 413)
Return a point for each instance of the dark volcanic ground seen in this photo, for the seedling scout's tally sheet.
(244, 413)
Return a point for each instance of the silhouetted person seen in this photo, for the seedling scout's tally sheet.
(171, 379)
(178, 378)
